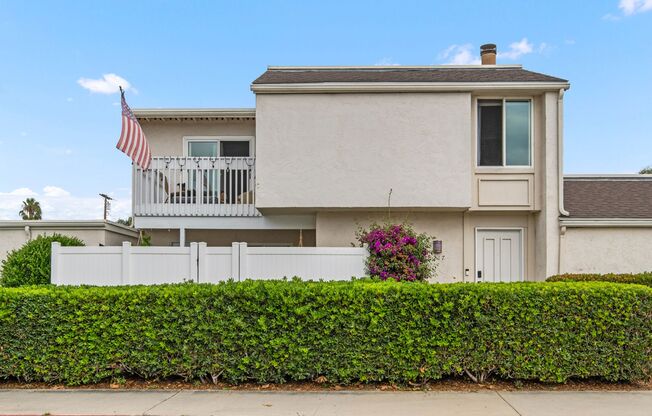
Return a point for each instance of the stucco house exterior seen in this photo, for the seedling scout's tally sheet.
(471, 155)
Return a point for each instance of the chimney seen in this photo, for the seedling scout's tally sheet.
(488, 54)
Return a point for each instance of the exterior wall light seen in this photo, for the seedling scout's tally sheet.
(437, 246)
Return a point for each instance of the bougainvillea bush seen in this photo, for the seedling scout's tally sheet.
(397, 252)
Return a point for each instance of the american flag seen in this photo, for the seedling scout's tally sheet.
(132, 138)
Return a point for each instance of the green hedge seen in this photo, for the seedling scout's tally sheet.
(277, 331)
(639, 278)
(30, 264)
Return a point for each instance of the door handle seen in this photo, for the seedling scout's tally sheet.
(479, 274)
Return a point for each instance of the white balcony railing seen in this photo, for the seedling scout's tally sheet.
(196, 186)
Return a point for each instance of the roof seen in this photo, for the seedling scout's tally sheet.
(194, 113)
(608, 196)
(70, 225)
(404, 74)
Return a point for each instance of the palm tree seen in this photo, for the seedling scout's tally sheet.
(646, 170)
(31, 209)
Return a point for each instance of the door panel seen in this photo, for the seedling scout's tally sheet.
(489, 257)
(499, 256)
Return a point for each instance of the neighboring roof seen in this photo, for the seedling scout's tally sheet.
(608, 196)
(70, 225)
(194, 113)
(432, 77)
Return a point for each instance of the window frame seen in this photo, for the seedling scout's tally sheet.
(504, 164)
(217, 139)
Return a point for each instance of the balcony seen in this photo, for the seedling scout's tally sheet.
(196, 187)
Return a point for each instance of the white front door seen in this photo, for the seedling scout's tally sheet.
(499, 256)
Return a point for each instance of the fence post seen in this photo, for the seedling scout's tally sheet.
(194, 252)
(235, 261)
(202, 263)
(244, 273)
(126, 266)
(54, 262)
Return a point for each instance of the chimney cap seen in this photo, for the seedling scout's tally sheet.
(488, 48)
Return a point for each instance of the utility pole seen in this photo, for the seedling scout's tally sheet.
(107, 205)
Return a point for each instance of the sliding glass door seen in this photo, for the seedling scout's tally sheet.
(225, 184)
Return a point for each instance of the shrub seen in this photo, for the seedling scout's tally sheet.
(639, 278)
(397, 252)
(30, 264)
(276, 331)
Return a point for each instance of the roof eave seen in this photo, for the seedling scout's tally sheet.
(607, 177)
(193, 113)
(347, 87)
(70, 225)
(582, 222)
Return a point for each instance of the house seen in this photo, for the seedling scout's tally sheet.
(471, 155)
(609, 226)
(14, 234)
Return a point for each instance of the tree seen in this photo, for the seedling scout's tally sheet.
(646, 170)
(31, 209)
(128, 221)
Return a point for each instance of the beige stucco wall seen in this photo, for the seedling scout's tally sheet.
(12, 238)
(166, 137)
(547, 189)
(606, 250)
(455, 229)
(221, 238)
(348, 150)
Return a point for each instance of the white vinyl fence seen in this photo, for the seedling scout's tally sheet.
(127, 265)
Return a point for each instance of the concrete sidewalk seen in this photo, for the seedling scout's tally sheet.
(359, 403)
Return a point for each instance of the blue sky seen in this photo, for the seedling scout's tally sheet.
(57, 139)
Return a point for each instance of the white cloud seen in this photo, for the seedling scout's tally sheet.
(611, 17)
(630, 7)
(386, 62)
(517, 49)
(108, 84)
(543, 47)
(460, 55)
(55, 191)
(59, 204)
(55, 151)
(466, 54)
(19, 192)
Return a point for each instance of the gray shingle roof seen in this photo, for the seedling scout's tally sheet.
(608, 197)
(306, 75)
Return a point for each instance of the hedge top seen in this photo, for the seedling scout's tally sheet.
(278, 331)
(644, 278)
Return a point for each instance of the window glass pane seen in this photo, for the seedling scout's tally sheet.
(491, 133)
(517, 133)
(202, 149)
(238, 148)
(207, 186)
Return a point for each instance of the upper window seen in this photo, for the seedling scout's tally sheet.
(219, 148)
(504, 133)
